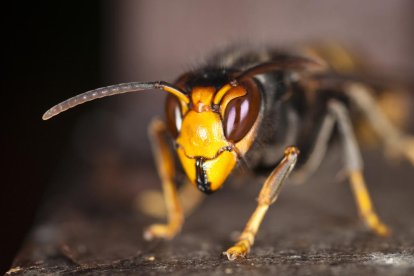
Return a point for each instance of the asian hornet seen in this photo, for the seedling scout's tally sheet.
(218, 113)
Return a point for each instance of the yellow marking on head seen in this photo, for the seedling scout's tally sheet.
(236, 92)
(202, 134)
(221, 93)
(202, 98)
(189, 165)
(177, 93)
(219, 168)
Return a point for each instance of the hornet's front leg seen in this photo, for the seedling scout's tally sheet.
(166, 170)
(268, 195)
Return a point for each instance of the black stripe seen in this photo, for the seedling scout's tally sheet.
(201, 177)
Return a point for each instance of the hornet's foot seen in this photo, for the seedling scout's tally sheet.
(376, 225)
(160, 231)
(238, 251)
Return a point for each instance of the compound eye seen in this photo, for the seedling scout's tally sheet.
(241, 114)
(174, 115)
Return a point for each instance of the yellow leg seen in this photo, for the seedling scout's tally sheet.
(366, 210)
(165, 165)
(354, 165)
(268, 195)
(152, 202)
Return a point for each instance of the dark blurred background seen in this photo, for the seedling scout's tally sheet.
(49, 50)
(53, 50)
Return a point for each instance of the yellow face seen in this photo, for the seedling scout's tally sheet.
(206, 153)
(203, 150)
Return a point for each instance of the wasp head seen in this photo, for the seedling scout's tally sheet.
(214, 129)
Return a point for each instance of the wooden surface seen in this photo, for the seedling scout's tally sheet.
(312, 229)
